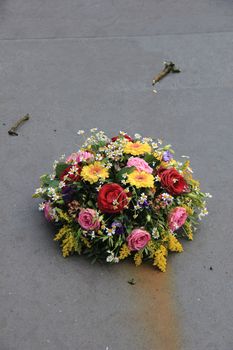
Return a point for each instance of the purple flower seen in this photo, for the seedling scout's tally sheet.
(119, 227)
(67, 194)
(145, 204)
(167, 156)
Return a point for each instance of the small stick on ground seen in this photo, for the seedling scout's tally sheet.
(13, 129)
(169, 67)
(132, 281)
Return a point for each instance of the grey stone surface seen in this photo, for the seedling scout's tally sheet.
(78, 83)
(37, 18)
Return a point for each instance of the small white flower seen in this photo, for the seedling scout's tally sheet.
(137, 136)
(154, 145)
(92, 234)
(155, 233)
(98, 188)
(55, 163)
(203, 213)
(112, 257)
(147, 139)
(108, 166)
(94, 129)
(41, 206)
(55, 197)
(208, 195)
(189, 169)
(137, 207)
(61, 184)
(39, 190)
(160, 141)
(98, 156)
(80, 132)
(185, 156)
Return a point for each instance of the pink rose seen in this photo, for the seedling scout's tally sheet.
(80, 156)
(138, 239)
(177, 218)
(88, 219)
(48, 211)
(140, 164)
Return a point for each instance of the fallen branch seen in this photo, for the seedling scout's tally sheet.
(169, 67)
(13, 129)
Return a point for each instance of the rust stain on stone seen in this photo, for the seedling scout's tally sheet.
(157, 308)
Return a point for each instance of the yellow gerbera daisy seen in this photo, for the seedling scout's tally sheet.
(140, 179)
(137, 148)
(93, 172)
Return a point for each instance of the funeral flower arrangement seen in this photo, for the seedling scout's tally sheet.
(122, 197)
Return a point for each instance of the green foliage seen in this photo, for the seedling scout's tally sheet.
(124, 171)
(60, 168)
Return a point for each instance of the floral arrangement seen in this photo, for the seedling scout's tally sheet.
(122, 197)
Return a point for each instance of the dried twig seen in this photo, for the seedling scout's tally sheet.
(132, 281)
(169, 67)
(13, 129)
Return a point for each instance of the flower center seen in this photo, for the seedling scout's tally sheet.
(95, 170)
(140, 177)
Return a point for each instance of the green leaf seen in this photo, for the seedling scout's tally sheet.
(45, 179)
(126, 170)
(53, 183)
(60, 168)
(149, 158)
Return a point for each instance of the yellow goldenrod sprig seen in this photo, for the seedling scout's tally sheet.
(69, 244)
(160, 258)
(138, 258)
(188, 230)
(174, 245)
(124, 252)
(66, 229)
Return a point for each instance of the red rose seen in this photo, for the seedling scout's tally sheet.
(172, 181)
(125, 136)
(112, 198)
(71, 173)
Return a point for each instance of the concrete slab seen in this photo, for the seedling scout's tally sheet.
(66, 85)
(101, 18)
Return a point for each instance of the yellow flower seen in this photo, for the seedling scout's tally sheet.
(124, 252)
(174, 245)
(188, 229)
(160, 258)
(158, 155)
(69, 245)
(137, 148)
(65, 230)
(188, 209)
(93, 172)
(140, 179)
(86, 242)
(138, 259)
